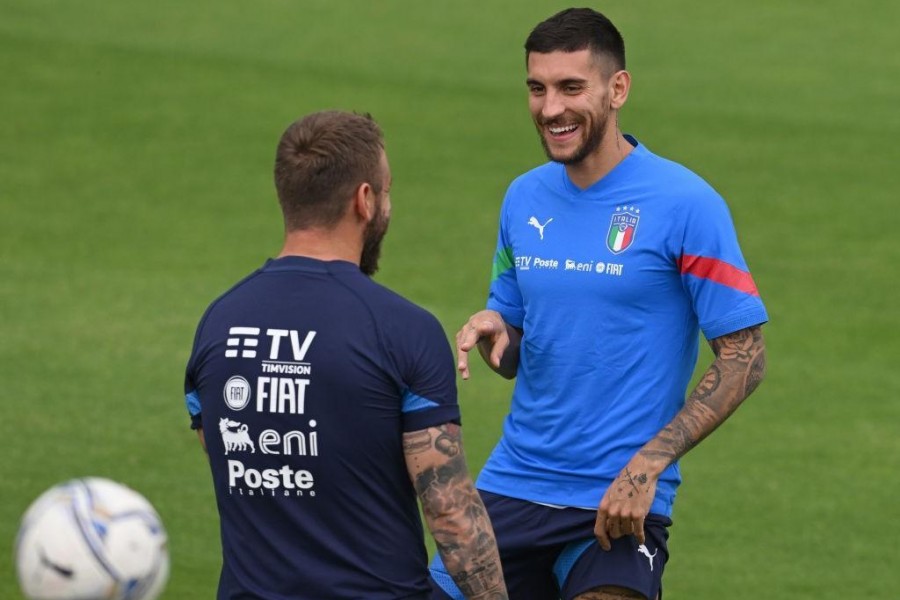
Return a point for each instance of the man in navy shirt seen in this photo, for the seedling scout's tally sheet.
(327, 403)
(610, 261)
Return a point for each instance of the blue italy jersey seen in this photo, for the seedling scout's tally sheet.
(611, 285)
(304, 377)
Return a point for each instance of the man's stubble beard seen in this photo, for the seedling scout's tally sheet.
(373, 235)
(587, 147)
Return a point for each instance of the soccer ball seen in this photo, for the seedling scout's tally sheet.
(91, 538)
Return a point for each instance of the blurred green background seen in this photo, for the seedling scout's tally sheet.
(136, 148)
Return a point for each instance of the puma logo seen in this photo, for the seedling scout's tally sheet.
(643, 550)
(537, 225)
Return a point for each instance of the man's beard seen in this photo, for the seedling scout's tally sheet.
(588, 147)
(372, 238)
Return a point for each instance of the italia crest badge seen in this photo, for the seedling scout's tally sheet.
(622, 228)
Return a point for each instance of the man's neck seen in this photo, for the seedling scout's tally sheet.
(596, 166)
(321, 244)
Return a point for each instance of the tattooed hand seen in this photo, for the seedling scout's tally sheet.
(626, 503)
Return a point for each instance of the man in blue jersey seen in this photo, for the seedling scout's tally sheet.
(610, 261)
(327, 403)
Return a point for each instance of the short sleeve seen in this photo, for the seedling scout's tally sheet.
(191, 393)
(723, 293)
(429, 397)
(505, 296)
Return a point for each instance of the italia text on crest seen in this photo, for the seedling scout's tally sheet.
(622, 228)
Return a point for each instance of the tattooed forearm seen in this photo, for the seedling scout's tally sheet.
(417, 441)
(460, 525)
(738, 369)
(455, 514)
(709, 383)
(448, 443)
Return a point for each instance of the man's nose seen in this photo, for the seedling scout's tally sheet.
(553, 105)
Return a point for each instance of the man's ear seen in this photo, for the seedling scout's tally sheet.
(363, 203)
(620, 85)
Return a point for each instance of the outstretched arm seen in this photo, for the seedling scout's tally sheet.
(737, 370)
(454, 512)
(497, 341)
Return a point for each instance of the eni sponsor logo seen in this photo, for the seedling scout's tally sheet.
(244, 480)
(599, 267)
(236, 437)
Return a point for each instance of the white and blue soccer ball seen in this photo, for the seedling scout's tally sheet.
(89, 539)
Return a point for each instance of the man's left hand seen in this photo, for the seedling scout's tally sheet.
(625, 505)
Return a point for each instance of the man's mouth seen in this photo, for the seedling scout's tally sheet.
(562, 129)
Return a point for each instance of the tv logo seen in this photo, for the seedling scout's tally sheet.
(244, 341)
(245, 336)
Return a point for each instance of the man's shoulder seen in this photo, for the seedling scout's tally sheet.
(391, 312)
(541, 182)
(545, 173)
(674, 176)
(227, 296)
(393, 302)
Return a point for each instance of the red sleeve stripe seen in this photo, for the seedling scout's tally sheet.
(718, 271)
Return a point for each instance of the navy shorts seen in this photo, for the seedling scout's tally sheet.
(550, 553)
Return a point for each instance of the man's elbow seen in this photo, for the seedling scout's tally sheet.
(756, 371)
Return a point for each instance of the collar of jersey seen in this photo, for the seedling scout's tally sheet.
(306, 263)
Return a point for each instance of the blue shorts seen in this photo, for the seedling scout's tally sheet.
(550, 553)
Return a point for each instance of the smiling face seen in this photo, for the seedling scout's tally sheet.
(569, 99)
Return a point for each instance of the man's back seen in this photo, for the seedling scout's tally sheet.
(306, 375)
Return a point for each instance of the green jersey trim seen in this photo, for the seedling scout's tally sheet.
(503, 262)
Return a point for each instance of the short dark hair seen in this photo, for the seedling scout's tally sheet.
(577, 29)
(320, 162)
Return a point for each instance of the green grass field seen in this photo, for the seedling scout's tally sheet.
(135, 185)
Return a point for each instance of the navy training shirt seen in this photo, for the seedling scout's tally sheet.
(304, 377)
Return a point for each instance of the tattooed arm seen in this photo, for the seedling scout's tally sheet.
(737, 370)
(454, 512)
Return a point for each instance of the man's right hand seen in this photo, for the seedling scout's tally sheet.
(490, 333)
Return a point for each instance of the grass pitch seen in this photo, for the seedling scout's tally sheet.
(135, 185)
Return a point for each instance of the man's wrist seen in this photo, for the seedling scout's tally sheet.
(651, 462)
